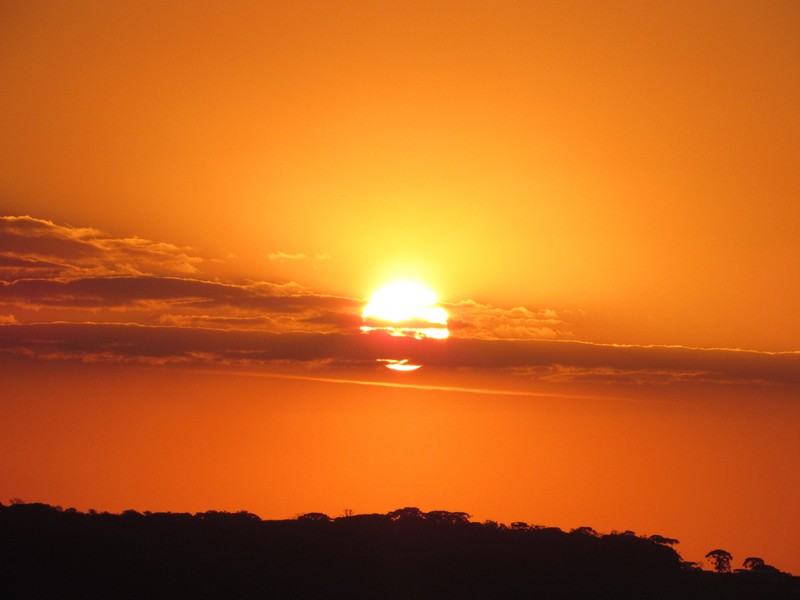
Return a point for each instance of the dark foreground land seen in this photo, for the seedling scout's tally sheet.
(46, 552)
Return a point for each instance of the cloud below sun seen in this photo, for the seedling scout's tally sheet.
(76, 293)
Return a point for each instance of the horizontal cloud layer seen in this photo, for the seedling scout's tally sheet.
(57, 273)
(542, 359)
(114, 292)
(51, 272)
(78, 293)
(32, 247)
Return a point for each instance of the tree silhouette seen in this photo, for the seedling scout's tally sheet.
(444, 517)
(408, 514)
(315, 517)
(753, 562)
(757, 565)
(666, 541)
(585, 530)
(721, 559)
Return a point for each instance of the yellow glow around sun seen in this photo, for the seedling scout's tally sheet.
(406, 308)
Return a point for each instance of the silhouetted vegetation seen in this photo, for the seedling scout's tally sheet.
(48, 552)
(721, 559)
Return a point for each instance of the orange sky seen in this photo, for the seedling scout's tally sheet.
(604, 196)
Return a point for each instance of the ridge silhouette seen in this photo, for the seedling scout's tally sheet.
(49, 552)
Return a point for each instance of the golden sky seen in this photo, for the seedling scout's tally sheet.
(197, 197)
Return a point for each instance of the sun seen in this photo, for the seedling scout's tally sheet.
(406, 308)
(399, 365)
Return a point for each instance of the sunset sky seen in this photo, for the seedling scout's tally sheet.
(198, 199)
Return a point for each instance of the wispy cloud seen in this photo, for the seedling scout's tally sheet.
(51, 272)
(472, 319)
(297, 256)
(122, 291)
(32, 247)
(412, 386)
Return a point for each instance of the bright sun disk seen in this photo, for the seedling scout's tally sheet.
(406, 308)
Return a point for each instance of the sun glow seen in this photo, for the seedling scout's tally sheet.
(405, 308)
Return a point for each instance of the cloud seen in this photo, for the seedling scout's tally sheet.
(179, 301)
(471, 319)
(541, 360)
(121, 291)
(51, 272)
(64, 273)
(299, 256)
(15, 267)
(76, 293)
(149, 344)
(32, 247)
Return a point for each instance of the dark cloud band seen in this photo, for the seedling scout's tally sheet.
(125, 342)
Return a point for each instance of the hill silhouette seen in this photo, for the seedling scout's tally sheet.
(48, 552)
